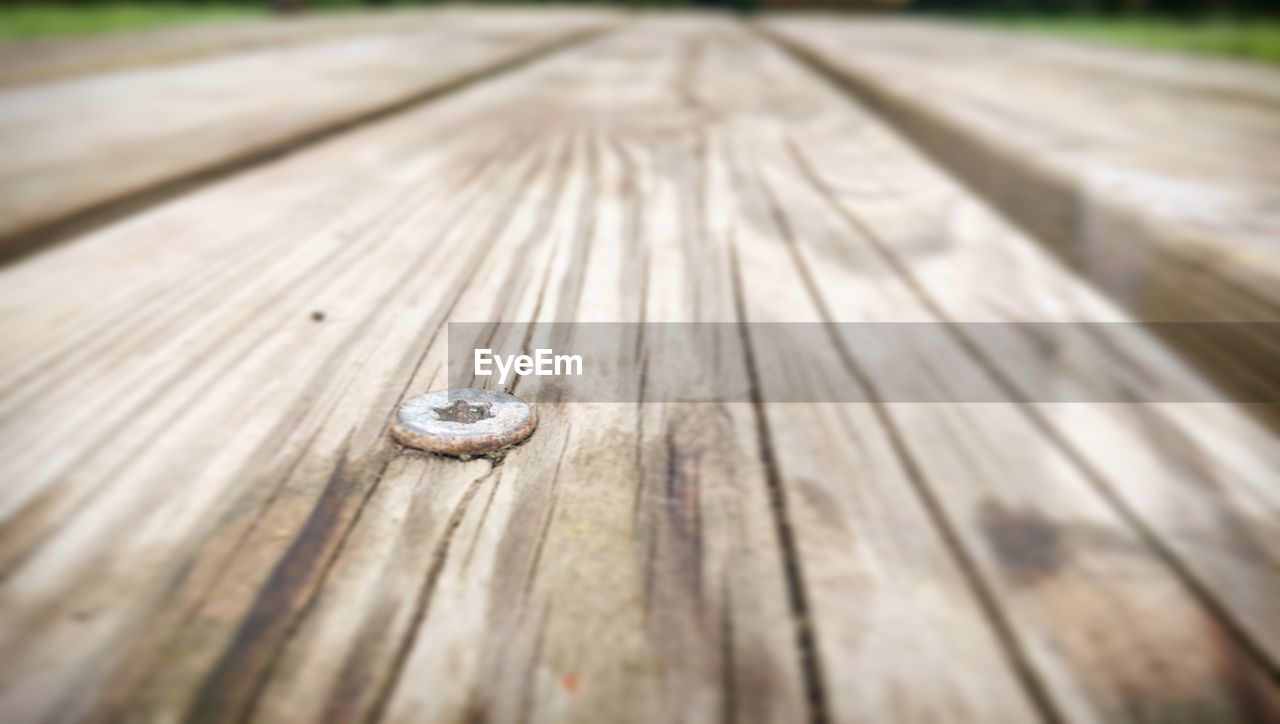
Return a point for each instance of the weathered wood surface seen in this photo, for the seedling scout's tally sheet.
(205, 517)
(44, 59)
(1155, 176)
(1242, 80)
(74, 146)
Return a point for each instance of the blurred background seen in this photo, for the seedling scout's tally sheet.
(1232, 28)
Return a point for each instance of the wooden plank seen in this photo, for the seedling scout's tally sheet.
(45, 59)
(79, 145)
(1223, 77)
(1159, 190)
(206, 505)
(1196, 477)
(1000, 480)
(186, 625)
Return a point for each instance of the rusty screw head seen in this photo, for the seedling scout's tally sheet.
(463, 422)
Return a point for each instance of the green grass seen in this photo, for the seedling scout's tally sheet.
(1257, 40)
(40, 20)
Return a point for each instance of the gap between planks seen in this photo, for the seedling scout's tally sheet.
(25, 241)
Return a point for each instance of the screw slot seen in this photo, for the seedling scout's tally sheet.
(464, 412)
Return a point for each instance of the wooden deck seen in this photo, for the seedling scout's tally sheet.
(204, 517)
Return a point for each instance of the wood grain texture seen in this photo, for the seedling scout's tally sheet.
(204, 504)
(76, 146)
